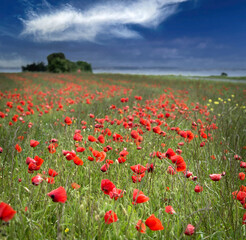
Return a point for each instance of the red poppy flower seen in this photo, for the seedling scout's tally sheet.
(2, 115)
(190, 135)
(243, 188)
(203, 135)
(180, 163)
(134, 134)
(90, 158)
(70, 155)
(242, 164)
(171, 170)
(50, 180)
(100, 156)
(244, 218)
(178, 151)
(68, 121)
(110, 217)
(36, 180)
(117, 137)
(35, 163)
(39, 161)
(198, 188)
(6, 212)
(78, 161)
(213, 157)
(183, 134)
(169, 153)
(137, 178)
(52, 172)
(157, 129)
(194, 178)
(33, 143)
(190, 229)
(80, 149)
(139, 169)
(237, 157)
(181, 167)
(215, 177)
(53, 140)
(107, 186)
(58, 195)
(140, 226)
(29, 160)
(91, 138)
(170, 210)
(202, 144)
(77, 137)
(109, 161)
(75, 186)
(241, 176)
(121, 160)
(241, 195)
(123, 153)
(150, 167)
(160, 155)
(116, 193)
(105, 167)
(139, 197)
(101, 139)
(52, 148)
(187, 173)
(18, 148)
(154, 223)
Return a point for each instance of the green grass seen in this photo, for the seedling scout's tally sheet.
(213, 212)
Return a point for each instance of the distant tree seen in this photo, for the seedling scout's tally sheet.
(57, 63)
(223, 74)
(84, 66)
(72, 66)
(53, 56)
(34, 67)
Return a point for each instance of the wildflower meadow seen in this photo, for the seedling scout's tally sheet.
(107, 156)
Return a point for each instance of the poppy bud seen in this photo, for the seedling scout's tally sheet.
(194, 178)
(198, 188)
(190, 229)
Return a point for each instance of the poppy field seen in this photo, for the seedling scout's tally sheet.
(107, 156)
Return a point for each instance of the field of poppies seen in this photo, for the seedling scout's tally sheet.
(100, 156)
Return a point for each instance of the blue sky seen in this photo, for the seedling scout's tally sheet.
(185, 34)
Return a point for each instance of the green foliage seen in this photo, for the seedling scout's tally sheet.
(57, 63)
(84, 66)
(34, 67)
(223, 74)
(53, 56)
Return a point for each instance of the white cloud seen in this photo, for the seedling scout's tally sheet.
(101, 20)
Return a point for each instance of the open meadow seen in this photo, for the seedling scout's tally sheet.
(107, 156)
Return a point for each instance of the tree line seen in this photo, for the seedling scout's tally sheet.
(57, 63)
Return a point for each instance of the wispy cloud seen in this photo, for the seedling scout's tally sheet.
(101, 20)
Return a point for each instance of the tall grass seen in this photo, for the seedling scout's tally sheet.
(213, 212)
